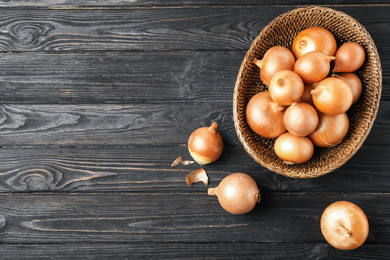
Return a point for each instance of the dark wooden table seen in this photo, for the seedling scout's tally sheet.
(99, 97)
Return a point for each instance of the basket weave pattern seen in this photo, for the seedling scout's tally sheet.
(281, 32)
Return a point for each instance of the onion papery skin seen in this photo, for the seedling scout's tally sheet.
(344, 225)
(353, 81)
(264, 116)
(349, 57)
(331, 130)
(293, 149)
(314, 39)
(237, 193)
(275, 59)
(300, 119)
(286, 87)
(313, 66)
(306, 96)
(205, 144)
(332, 96)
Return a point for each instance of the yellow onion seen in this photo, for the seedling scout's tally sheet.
(349, 57)
(331, 130)
(293, 149)
(286, 87)
(265, 116)
(313, 66)
(332, 96)
(205, 144)
(314, 39)
(353, 81)
(237, 193)
(275, 59)
(300, 119)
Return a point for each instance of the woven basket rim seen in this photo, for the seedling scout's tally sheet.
(238, 127)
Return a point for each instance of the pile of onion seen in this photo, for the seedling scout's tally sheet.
(304, 98)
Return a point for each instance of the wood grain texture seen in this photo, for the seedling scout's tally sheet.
(164, 124)
(178, 217)
(160, 29)
(145, 169)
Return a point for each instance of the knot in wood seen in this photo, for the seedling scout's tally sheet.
(30, 35)
(3, 221)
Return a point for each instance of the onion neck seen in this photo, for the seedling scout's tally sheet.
(212, 191)
(276, 107)
(213, 127)
(330, 58)
(259, 63)
(345, 231)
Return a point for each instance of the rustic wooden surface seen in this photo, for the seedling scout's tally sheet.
(99, 97)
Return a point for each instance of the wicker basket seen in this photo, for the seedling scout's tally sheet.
(282, 31)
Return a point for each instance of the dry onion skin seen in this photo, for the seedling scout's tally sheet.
(313, 66)
(353, 81)
(275, 59)
(197, 176)
(293, 149)
(300, 119)
(286, 87)
(349, 57)
(332, 96)
(314, 39)
(344, 225)
(264, 116)
(179, 160)
(331, 130)
(237, 193)
(205, 144)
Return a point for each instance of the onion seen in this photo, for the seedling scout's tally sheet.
(293, 149)
(332, 96)
(275, 59)
(344, 225)
(349, 57)
(205, 144)
(306, 96)
(237, 193)
(286, 87)
(300, 119)
(313, 66)
(314, 39)
(331, 130)
(265, 116)
(353, 81)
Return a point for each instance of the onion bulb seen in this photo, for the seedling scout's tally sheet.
(306, 96)
(265, 116)
(314, 39)
(332, 96)
(286, 87)
(349, 57)
(205, 144)
(293, 149)
(344, 225)
(331, 130)
(237, 193)
(275, 59)
(300, 119)
(353, 81)
(313, 66)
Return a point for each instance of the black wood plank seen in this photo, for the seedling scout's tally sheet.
(166, 124)
(196, 218)
(145, 169)
(186, 251)
(156, 28)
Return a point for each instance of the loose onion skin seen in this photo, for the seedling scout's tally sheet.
(275, 59)
(265, 116)
(313, 66)
(331, 130)
(353, 81)
(293, 149)
(344, 225)
(306, 96)
(332, 96)
(205, 144)
(314, 39)
(286, 87)
(237, 193)
(300, 119)
(349, 57)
